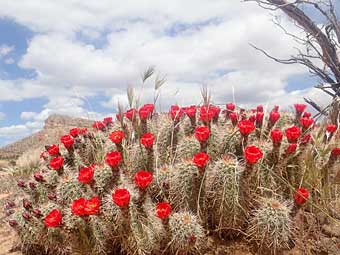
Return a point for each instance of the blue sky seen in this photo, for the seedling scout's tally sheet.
(78, 57)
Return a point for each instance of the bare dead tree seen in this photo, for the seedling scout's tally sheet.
(321, 46)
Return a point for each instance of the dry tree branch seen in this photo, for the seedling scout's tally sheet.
(323, 40)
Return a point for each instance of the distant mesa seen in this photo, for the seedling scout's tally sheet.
(55, 126)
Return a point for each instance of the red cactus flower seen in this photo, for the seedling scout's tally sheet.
(53, 219)
(335, 152)
(252, 154)
(202, 133)
(233, 116)
(131, 114)
(300, 108)
(306, 138)
(78, 207)
(259, 118)
(26, 204)
(306, 122)
(207, 113)
(74, 132)
(53, 150)
(252, 118)
(246, 127)
(117, 136)
(150, 107)
(13, 223)
(307, 115)
(57, 163)
(82, 131)
(85, 174)
(276, 135)
(26, 215)
(143, 179)
(38, 177)
(52, 196)
(163, 210)
(331, 128)
(121, 197)
(217, 111)
(21, 184)
(99, 125)
(259, 108)
(274, 116)
(191, 111)
(176, 112)
(37, 213)
(67, 140)
(276, 108)
(291, 148)
(92, 206)
(301, 195)
(113, 158)
(144, 112)
(10, 204)
(118, 116)
(293, 133)
(147, 140)
(230, 107)
(107, 120)
(201, 159)
(32, 185)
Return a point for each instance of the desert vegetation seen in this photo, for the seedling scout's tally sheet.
(163, 183)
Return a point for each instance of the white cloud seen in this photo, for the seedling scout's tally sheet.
(195, 57)
(14, 131)
(9, 61)
(2, 116)
(101, 47)
(28, 115)
(5, 50)
(67, 66)
(100, 15)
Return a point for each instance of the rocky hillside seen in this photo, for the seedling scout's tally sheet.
(55, 126)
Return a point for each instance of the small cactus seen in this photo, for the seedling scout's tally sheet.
(187, 234)
(270, 226)
(223, 196)
(187, 147)
(183, 186)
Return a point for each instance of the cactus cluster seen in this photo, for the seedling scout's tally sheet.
(158, 183)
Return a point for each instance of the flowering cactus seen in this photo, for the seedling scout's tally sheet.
(150, 185)
(271, 226)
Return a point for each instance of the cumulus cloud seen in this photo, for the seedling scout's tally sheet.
(5, 50)
(100, 48)
(14, 131)
(27, 115)
(213, 39)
